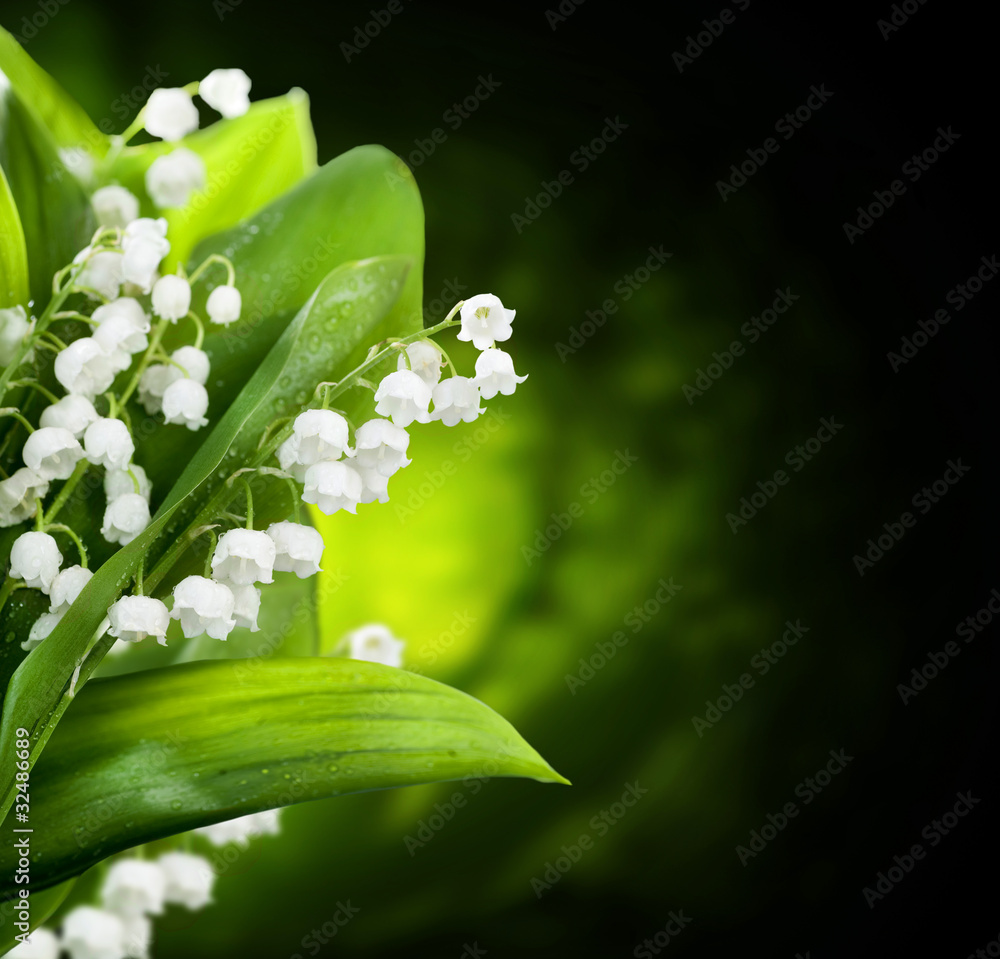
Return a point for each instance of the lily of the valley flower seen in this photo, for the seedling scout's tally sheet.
(89, 933)
(40, 944)
(73, 412)
(40, 629)
(171, 297)
(52, 452)
(425, 360)
(185, 402)
(193, 362)
(133, 618)
(247, 606)
(170, 114)
(298, 548)
(134, 887)
(317, 436)
(125, 518)
(14, 327)
(173, 177)
(375, 643)
(485, 320)
(108, 443)
(84, 368)
(380, 445)
(115, 206)
(144, 245)
(227, 91)
(36, 559)
(404, 397)
(18, 494)
(189, 879)
(243, 829)
(495, 374)
(456, 400)
(244, 557)
(333, 487)
(67, 585)
(119, 483)
(203, 606)
(224, 304)
(104, 271)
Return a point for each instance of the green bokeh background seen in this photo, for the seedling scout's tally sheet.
(445, 562)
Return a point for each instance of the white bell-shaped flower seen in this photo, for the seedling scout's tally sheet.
(125, 518)
(170, 114)
(126, 307)
(138, 936)
(224, 304)
(404, 397)
(317, 436)
(104, 272)
(133, 618)
(173, 177)
(243, 829)
(65, 588)
(485, 320)
(425, 360)
(40, 629)
(36, 559)
(495, 374)
(134, 887)
(108, 443)
(227, 91)
(333, 487)
(119, 483)
(14, 327)
(153, 384)
(380, 445)
(52, 452)
(120, 340)
(190, 879)
(204, 606)
(144, 244)
(374, 486)
(115, 206)
(456, 400)
(243, 557)
(171, 297)
(374, 643)
(84, 368)
(41, 944)
(89, 933)
(247, 606)
(185, 402)
(194, 362)
(18, 494)
(73, 412)
(298, 548)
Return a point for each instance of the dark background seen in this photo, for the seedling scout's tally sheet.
(656, 184)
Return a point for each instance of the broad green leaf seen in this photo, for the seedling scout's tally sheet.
(149, 755)
(13, 252)
(251, 160)
(44, 902)
(52, 107)
(349, 304)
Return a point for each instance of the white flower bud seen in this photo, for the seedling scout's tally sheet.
(381, 446)
(243, 557)
(74, 413)
(84, 368)
(224, 304)
(203, 606)
(404, 396)
(119, 483)
(125, 518)
(14, 327)
(153, 384)
(104, 272)
(173, 177)
(374, 643)
(247, 606)
(170, 114)
(298, 548)
(456, 400)
(89, 933)
(495, 374)
(484, 320)
(333, 487)
(243, 829)
(40, 944)
(134, 887)
(185, 401)
(190, 879)
(114, 206)
(67, 585)
(36, 559)
(133, 618)
(227, 91)
(194, 362)
(425, 360)
(18, 494)
(108, 443)
(52, 452)
(41, 629)
(171, 297)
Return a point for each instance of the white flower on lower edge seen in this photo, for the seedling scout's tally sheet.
(495, 374)
(108, 443)
(65, 588)
(247, 606)
(74, 413)
(485, 320)
(114, 206)
(425, 360)
(244, 557)
(456, 400)
(119, 483)
(84, 368)
(40, 629)
(243, 829)
(190, 879)
(375, 644)
(52, 452)
(14, 327)
(332, 487)
(171, 297)
(170, 114)
(404, 397)
(204, 606)
(104, 272)
(18, 494)
(374, 486)
(224, 304)
(36, 559)
(193, 361)
(134, 887)
(381, 445)
(41, 944)
(125, 518)
(138, 937)
(227, 91)
(317, 436)
(185, 402)
(173, 177)
(133, 618)
(298, 548)
(89, 933)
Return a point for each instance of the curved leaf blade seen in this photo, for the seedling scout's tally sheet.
(152, 754)
(13, 251)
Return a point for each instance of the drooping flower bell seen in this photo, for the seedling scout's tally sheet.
(36, 559)
(190, 879)
(380, 445)
(173, 177)
(485, 320)
(84, 368)
(40, 944)
(404, 397)
(495, 374)
(74, 413)
(41, 629)
(14, 327)
(192, 361)
(133, 618)
(144, 244)
(223, 305)
(119, 483)
(125, 518)
(425, 360)
(317, 436)
(134, 887)
(18, 495)
(170, 114)
(456, 400)
(247, 606)
(374, 643)
(89, 933)
(242, 829)
(114, 206)
(244, 557)
(103, 273)
(227, 91)
(67, 585)
(108, 443)
(332, 487)
(298, 548)
(185, 402)
(171, 297)
(204, 606)
(52, 452)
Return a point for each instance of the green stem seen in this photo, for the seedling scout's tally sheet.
(16, 414)
(35, 385)
(138, 574)
(212, 542)
(246, 486)
(200, 337)
(215, 258)
(61, 528)
(64, 494)
(297, 512)
(154, 344)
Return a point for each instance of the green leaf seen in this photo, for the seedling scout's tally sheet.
(13, 252)
(340, 315)
(44, 902)
(149, 755)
